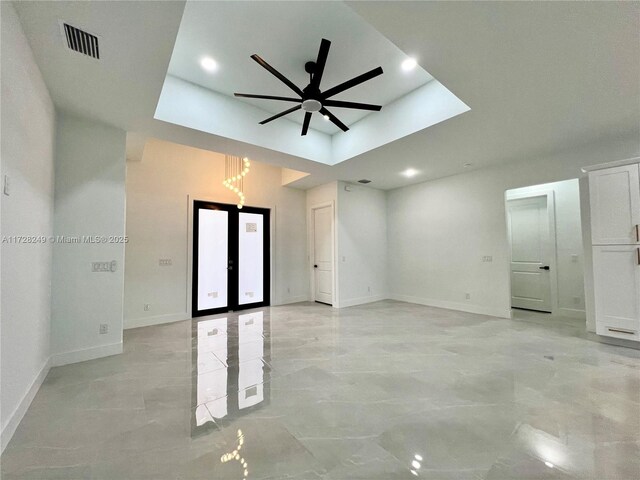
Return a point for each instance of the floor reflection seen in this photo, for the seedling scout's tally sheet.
(231, 369)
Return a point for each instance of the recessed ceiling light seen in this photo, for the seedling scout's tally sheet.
(209, 64)
(326, 117)
(409, 64)
(410, 172)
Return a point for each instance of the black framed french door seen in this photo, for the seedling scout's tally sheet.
(231, 258)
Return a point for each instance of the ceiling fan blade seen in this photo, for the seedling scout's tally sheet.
(268, 97)
(305, 124)
(359, 106)
(321, 62)
(353, 82)
(281, 114)
(334, 119)
(277, 74)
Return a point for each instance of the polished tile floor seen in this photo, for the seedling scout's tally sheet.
(384, 391)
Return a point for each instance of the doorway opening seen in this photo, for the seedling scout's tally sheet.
(546, 254)
(231, 258)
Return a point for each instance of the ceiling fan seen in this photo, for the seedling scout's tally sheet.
(311, 98)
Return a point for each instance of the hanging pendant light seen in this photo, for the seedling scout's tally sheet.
(235, 169)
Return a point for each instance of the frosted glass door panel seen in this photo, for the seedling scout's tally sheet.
(250, 354)
(212, 258)
(250, 258)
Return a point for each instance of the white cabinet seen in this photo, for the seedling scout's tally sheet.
(615, 205)
(615, 236)
(616, 271)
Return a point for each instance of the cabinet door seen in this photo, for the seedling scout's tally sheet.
(615, 205)
(616, 272)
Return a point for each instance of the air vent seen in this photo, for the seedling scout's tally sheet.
(81, 41)
(364, 180)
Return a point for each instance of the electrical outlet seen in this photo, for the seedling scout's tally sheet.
(104, 328)
(147, 307)
(467, 296)
(101, 267)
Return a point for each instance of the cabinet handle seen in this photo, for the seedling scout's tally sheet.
(638, 256)
(637, 233)
(621, 330)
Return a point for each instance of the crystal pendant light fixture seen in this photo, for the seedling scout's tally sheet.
(235, 169)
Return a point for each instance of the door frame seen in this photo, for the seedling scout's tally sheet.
(551, 218)
(310, 235)
(191, 199)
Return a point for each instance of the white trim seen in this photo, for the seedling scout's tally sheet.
(361, 300)
(290, 300)
(334, 249)
(156, 320)
(462, 307)
(16, 417)
(617, 163)
(572, 313)
(85, 354)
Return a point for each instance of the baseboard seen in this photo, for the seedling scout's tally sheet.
(156, 320)
(290, 300)
(572, 313)
(16, 417)
(352, 302)
(83, 355)
(462, 307)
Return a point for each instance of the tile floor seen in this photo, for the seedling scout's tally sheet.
(384, 391)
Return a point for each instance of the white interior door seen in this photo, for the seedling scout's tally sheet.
(323, 254)
(531, 253)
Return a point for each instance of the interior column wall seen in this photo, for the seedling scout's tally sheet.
(89, 226)
(27, 152)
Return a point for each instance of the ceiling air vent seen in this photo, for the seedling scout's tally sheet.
(81, 41)
(364, 180)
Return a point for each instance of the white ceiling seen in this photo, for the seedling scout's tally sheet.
(286, 35)
(540, 77)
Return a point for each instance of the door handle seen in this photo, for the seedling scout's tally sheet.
(546, 267)
(315, 266)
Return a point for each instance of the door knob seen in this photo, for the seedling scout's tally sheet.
(315, 266)
(546, 267)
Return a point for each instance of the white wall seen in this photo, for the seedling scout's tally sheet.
(159, 190)
(89, 201)
(569, 269)
(438, 231)
(27, 152)
(362, 244)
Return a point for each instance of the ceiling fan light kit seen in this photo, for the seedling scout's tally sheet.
(311, 98)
